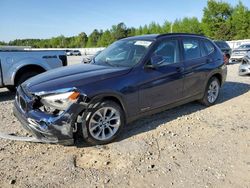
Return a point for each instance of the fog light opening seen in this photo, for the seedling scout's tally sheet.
(44, 126)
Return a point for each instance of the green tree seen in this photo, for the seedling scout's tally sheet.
(93, 38)
(119, 31)
(187, 25)
(2, 43)
(139, 31)
(105, 40)
(81, 40)
(240, 22)
(131, 31)
(145, 30)
(216, 20)
(154, 28)
(166, 27)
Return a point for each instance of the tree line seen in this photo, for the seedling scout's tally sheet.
(220, 21)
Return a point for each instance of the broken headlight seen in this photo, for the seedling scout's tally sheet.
(60, 101)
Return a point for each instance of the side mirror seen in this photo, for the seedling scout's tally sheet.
(155, 61)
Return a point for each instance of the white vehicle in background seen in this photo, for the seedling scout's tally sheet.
(240, 52)
(244, 68)
(68, 52)
(73, 52)
(16, 66)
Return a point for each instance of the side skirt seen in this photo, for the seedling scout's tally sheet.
(163, 108)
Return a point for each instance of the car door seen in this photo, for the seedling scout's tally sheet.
(195, 61)
(162, 85)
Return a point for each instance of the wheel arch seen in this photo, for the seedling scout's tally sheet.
(115, 98)
(27, 68)
(218, 76)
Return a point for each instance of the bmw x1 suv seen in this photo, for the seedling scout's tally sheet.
(133, 77)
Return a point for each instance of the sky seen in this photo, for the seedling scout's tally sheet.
(20, 19)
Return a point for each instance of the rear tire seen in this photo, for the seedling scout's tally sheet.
(212, 92)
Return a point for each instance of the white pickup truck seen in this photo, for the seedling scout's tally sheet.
(16, 66)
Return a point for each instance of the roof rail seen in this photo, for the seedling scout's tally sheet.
(191, 34)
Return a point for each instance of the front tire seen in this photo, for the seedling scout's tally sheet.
(212, 92)
(105, 123)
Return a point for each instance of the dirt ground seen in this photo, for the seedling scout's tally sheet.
(188, 146)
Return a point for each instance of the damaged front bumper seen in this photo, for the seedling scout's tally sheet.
(46, 128)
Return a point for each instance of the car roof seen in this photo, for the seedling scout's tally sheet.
(157, 36)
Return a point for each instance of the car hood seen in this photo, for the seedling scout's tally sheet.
(72, 76)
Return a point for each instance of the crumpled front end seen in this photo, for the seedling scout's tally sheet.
(55, 126)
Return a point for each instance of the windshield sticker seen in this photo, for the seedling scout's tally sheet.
(143, 43)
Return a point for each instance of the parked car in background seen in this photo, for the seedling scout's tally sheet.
(16, 66)
(76, 52)
(68, 52)
(244, 68)
(133, 77)
(240, 52)
(225, 48)
(73, 52)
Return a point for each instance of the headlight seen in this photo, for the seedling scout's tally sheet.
(60, 101)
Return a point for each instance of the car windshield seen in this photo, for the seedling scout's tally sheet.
(123, 53)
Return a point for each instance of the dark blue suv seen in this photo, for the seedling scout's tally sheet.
(133, 77)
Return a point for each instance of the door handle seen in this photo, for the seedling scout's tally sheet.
(179, 69)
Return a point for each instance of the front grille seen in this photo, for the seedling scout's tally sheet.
(22, 103)
(20, 100)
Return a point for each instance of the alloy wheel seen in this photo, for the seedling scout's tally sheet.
(213, 91)
(104, 123)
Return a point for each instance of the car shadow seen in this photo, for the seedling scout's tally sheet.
(7, 96)
(229, 91)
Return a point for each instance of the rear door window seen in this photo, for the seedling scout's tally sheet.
(168, 49)
(192, 48)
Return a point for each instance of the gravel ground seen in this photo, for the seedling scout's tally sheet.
(188, 146)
